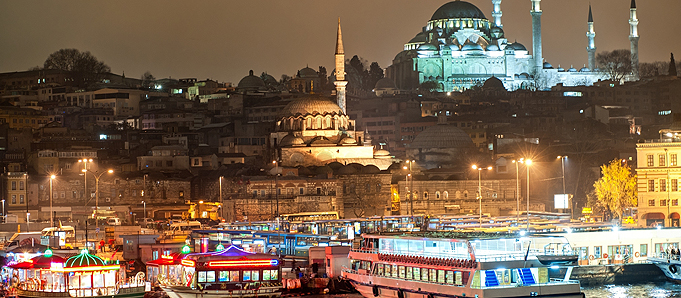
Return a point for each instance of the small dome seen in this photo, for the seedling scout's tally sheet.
(454, 48)
(385, 83)
(496, 32)
(458, 10)
(308, 73)
(347, 170)
(291, 140)
(572, 69)
(348, 141)
(382, 153)
(493, 83)
(321, 141)
(323, 170)
(312, 104)
(251, 82)
(493, 47)
(560, 68)
(517, 46)
(548, 65)
(419, 38)
(371, 169)
(442, 136)
(584, 69)
(334, 165)
(427, 47)
(469, 46)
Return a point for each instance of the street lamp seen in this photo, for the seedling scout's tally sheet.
(97, 176)
(411, 187)
(145, 211)
(51, 210)
(475, 167)
(517, 193)
(276, 186)
(28, 215)
(528, 163)
(562, 164)
(4, 218)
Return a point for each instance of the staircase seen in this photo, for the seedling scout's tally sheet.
(491, 279)
(526, 276)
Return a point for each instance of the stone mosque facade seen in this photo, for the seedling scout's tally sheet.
(460, 48)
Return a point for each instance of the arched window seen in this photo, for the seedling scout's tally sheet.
(319, 123)
(446, 194)
(437, 194)
(425, 195)
(378, 187)
(465, 194)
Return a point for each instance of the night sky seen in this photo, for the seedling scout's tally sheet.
(223, 39)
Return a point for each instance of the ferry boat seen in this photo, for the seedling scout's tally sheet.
(231, 272)
(82, 275)
(670, 264)
(423, 265)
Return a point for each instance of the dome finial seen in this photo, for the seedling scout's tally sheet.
(250, 72)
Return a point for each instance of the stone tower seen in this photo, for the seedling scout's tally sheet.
(591, 46)
(496, 13)
(536, 35)
(633, 38)
(340, 71)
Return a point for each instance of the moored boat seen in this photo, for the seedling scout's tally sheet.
(669, 264)
(428, 265)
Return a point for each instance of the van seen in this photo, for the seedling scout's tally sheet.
(113, 221)
(183, 228)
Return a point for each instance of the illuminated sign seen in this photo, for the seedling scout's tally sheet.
(248, 263)
(188, 263)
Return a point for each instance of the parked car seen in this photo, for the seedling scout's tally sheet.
(113, 221)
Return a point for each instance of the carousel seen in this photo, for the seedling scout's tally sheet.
(228, 272)
(82, 275)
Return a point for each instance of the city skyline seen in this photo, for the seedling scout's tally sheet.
(177, 39)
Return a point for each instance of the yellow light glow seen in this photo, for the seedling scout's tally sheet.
(528, 162)
(475, 167)
(53, 176)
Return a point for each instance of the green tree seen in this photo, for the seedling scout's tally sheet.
(616, 64)
(148, 80)
(429, 86)
(375, 74)
(84, 67)
(616, 190)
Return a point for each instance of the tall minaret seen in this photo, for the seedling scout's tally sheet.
(496, 13)
(633, 38)
(340, 70)
(591, 47)
(536, 35)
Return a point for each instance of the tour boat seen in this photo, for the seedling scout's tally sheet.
(231, 272)
(423, 265)
(670, 264)
(82, 275)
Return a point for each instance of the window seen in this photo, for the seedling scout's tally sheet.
(675, 185)
(672, 160)
(597, 252)
(661, 160)
(14, 185)
(301, 191)
(651, 203)
(651, 185)
(650, 160)
(675, 202)
(663, 184)
(21, 185)
(663, 202)
(14, 199)
(644, 250)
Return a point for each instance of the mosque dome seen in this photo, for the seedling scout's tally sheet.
(493, 83)
(496, 32)
(572, 69)
(371, 169)
(493, 47)
(454, 48)
(291, 140)
(251, 82)
(308, 73)
(548, 65)
(382, 153)
(385, 83)
(427, 47)
(442, 136)
(419, 38)
(347, 170)
(517, 46)
(560, 68)
(310, 105)
(469, 46)
(348, 141)
(458, 10)
(584, 69)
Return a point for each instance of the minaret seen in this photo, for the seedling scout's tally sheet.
(536, 35)
(591, 47)
(633, 38)
(496, 13)
(340, 70)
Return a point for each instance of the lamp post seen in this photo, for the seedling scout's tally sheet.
(276, 186)
(28, 215)
(97, 176)
(517, 193)
(528, 163)
(411, 187)
(562, 164)
(51, 210)
(4, 218)
(475, 167)
(145, 211)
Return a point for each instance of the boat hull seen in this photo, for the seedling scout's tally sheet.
(186, 292)
(374, 286)
(670, 268)
(134, 292)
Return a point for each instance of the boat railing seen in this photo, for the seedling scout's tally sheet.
(668, 256)
(352, 271)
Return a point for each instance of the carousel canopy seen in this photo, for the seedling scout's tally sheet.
(84, 259)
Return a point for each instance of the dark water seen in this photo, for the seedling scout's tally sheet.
(643, 290)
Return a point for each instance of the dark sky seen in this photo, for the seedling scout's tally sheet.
(223, 39)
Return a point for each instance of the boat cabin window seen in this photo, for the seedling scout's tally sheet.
(237, 275)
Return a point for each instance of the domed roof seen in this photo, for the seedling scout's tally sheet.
(496, 32)
(251, 82)
(420, 37)
(458, 10)
(310, 105)
(442, 136)
(517, 46)
(348, 141)
(308, 73)
(548, 65)
(560, 68)
(584, 69)
(493, 83)
(382, 153)
(323, 170)
(291, 140)
(454, 48)
(492, 47)
(572, 69)
(385, 83)
(427, 47)
(347, 170)
(370, 169)
(469, 46)
(84, 259)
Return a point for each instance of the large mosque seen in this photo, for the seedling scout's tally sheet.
(460, 48)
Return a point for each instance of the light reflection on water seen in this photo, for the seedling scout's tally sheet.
(656, 290)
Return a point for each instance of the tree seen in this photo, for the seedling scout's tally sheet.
(84, 67)
(652, 69)
(375, 74)
(323, 77)
(148, 80)
(672, 66)
(429, 86)
(615, 64)
(616, 189)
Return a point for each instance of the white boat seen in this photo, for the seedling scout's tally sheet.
(670, 264)
(424, 265)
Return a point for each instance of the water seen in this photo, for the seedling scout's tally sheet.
(644, 290)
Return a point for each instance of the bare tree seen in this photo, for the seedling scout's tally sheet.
(148, 79)
(616, 64)
(85, 67)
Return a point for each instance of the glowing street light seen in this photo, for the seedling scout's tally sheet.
(475, 167)
(51, 210)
